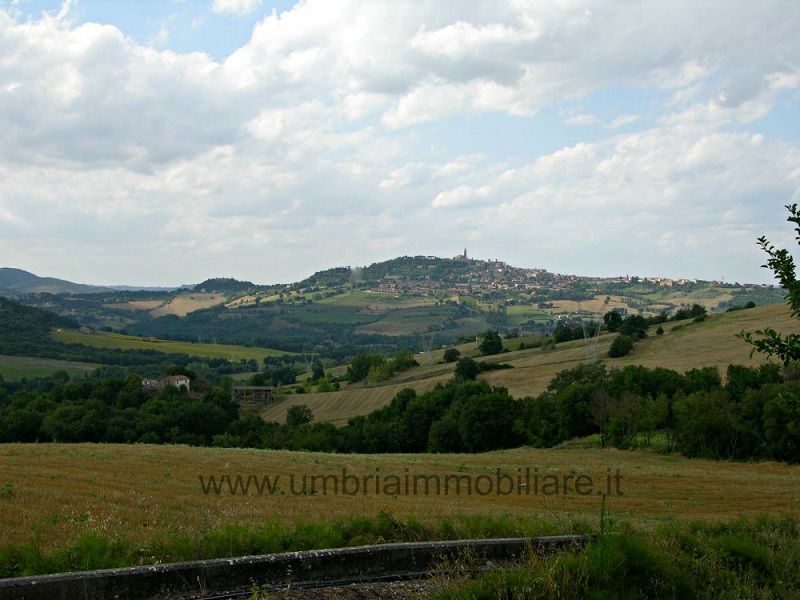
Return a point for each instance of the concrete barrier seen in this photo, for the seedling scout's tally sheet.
(196, 578)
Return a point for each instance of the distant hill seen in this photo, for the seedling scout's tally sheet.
(25, 329)
(16, 282)
(409, 301)
(225, 285)
(140, 288)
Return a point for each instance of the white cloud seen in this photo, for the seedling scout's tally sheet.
(239, 8)
(604, 203)
(623, 120)
(581, 119)
(334, 126)
(460, 197)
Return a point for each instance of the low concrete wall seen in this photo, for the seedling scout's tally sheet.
(196, 578)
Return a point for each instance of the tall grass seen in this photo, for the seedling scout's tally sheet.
(94, 551)
(744, 559)
(755, 558)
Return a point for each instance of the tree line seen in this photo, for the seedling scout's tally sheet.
(754, 414)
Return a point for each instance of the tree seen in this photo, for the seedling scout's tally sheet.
(782, 264)
(444, 436)
(562, 333)
(634, 326)
(698, 312)
(492, 343)
(298, 414)
(466, 369)
(660, 330)
(613, 320)
(451, 355)
(317, 370)
(360, 366)
(621, 346)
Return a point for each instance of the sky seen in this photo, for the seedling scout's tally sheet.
(160, 142)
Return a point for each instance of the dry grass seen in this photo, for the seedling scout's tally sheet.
(242, 301)
(136, 305)
(142, 492)
(596, 306)
(337, 407)
(183, 304)
(712, 343)
(691, 345)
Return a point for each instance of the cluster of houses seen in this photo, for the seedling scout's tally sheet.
(487, 276)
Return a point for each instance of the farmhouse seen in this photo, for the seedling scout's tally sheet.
(177, 381)
(152, 385)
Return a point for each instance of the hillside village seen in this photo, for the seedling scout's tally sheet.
(479, 276)
(384, 306)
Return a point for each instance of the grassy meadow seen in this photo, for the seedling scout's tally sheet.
(14, 368)
(130, 342)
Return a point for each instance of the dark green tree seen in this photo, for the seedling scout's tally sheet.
(451, 355)
(317, 370)
(298, 414)
(492, 343)
(621, 346)
(634, 326)
(466, 369)
(613, 320)
(360, 366)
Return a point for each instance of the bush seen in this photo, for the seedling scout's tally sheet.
(298, 415)
(492, 343)
(466, 369)
(621, 346)
(451, 355)
(634, 326)
(361, 365)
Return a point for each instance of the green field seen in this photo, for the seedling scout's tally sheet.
(130, 342)
(409, 320)
(377, 300)
(520, 313)
(14, 368)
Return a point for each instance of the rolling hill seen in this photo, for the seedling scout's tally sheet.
(685, 345)
(415, 302)
(16, 282)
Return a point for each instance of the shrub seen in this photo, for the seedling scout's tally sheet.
(466, 369)
(491, 343)
(451, 355)
(621, 346)
(298, 415)
(6, 490)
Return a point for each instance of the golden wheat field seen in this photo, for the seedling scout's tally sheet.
(183, 304)
(135, 305)
(142, 492)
